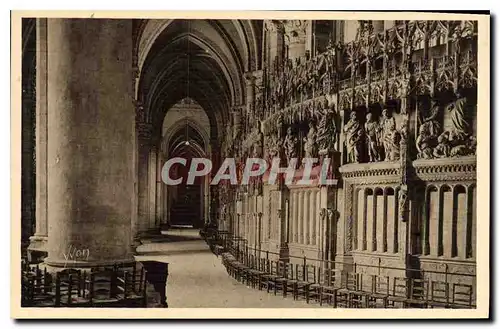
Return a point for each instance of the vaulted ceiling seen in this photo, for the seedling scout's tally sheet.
(201, 59)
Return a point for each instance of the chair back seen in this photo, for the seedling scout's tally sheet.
(102, 285)
(400, 287)
(330, 277)
(462, 294)
(439, 292)
(381, 284)
(419, 289)
(290, 273)
(281, 268)
(310, 273)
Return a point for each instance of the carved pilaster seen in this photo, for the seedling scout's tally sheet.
(144, 133)
(348, 214)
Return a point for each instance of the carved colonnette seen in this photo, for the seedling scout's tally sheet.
(305, 226)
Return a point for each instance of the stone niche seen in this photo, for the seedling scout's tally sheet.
(304, 222)
(371, 193)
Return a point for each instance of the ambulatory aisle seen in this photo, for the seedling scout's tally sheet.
(197, 277)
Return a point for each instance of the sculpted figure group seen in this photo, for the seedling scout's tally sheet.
(381, 137)
(455, 141)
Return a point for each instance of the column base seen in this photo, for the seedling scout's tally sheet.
(37, 249)
(149, 233)
(59, 264)
(38, 243)
(284, 253)
(345, 264)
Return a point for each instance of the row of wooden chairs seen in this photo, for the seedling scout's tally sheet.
(346, 289)
(98, 287)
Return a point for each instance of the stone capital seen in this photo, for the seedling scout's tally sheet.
(250, 78)
(274, 26)
(140, 112)
(144, 130)
(296, 30)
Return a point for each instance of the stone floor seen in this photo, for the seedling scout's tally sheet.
(197, 277)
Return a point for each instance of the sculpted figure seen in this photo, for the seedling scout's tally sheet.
(273, 147)
(442, 150)
(310, 142)
(372, 129)
(433, 125)
(388, 124)
(257, 145)
(460, 126)
(424, 142)
(402, 202)
(327, 129)
(354, 133)
(290, 145)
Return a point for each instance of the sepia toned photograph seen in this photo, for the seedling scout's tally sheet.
(265, 162)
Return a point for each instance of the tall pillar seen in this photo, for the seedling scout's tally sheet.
(152, 188)
(39, 240)
(144, 133)
(159, 199)
(250, 91)
(296, 35)
(378, 26)
(275, 30)
(90, 139)
(350, 30)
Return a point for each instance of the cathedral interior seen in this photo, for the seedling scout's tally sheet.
(393, 104)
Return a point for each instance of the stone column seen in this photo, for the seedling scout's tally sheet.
(250, 90)
(39, 240)
(90, 142)
(159, 188)
(144, 134)
(350, 30)
(378, 26)
(295, 38)
(275, 33)
(152, 188)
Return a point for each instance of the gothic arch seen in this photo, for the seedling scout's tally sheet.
(215, 54)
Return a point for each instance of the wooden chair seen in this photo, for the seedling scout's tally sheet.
(461, 296)
(315, 288)
(40, 287)
(72, 289)
(419, 293)
(269, 275)
(328, 289)
(273, 278)
(439, 294)
(254, 272)
(400, 293)
(304, 285)
(290, 284)
(359, 293)
(348, 295)
(128, 294)
(379, 292)
(263, 268)
(103, 289)
(279, 282)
